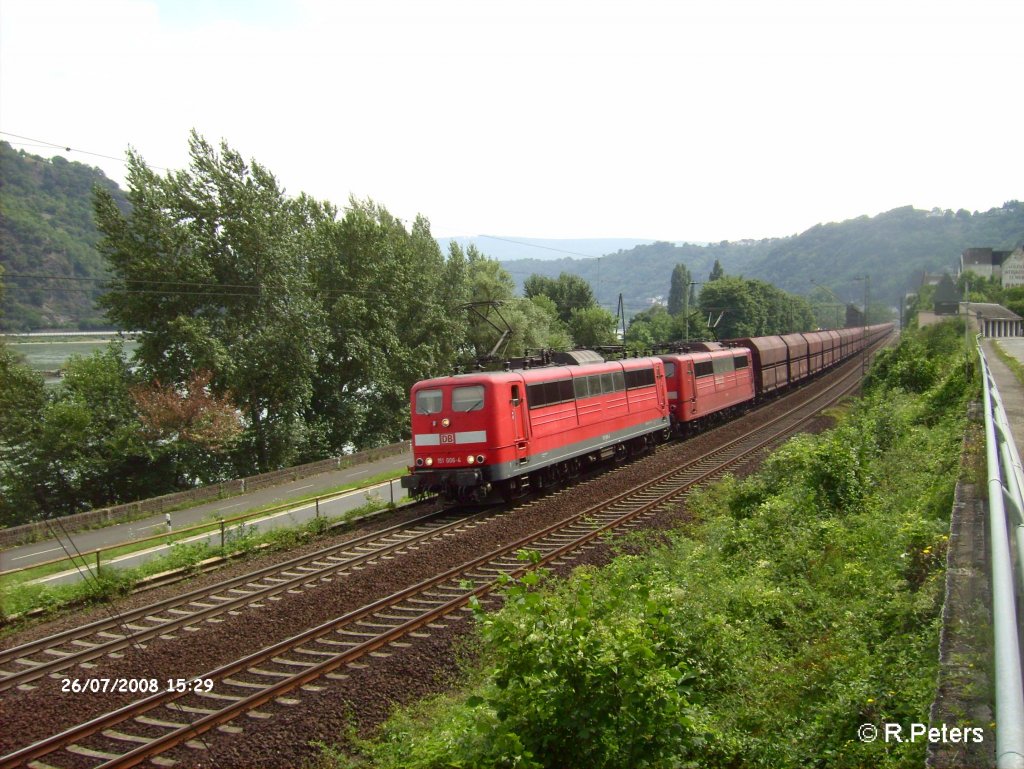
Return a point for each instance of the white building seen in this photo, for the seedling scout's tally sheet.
(1013, 269)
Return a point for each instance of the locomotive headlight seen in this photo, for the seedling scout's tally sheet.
(470, 459)
(429, 461)
(445, 422)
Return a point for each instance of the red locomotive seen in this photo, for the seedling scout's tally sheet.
(706, 382)
(506, 431)
(511, 431)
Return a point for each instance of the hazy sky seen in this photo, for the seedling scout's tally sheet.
(693, 119)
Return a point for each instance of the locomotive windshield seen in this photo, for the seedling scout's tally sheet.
(428, 402)
(468, 398)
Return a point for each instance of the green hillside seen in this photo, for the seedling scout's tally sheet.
(47, 228)
(893, 248)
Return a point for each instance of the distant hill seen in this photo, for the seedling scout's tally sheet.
(506, 249)
(893, 248)
(47, 228)
(642, 274)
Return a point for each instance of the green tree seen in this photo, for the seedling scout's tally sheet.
(650, 327)
(392, 306)
(568, 292)
(87, 449)
(592, 327)
(733, 306)
(680, 291)
(209, 266)
(717, 273)
(22, 400)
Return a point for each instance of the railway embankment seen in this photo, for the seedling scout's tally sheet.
(794, 620)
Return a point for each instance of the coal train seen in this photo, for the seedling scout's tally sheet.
(508, 432)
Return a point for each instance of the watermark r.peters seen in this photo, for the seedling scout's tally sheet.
(936, 735)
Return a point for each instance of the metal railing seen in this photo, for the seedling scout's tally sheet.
(1006, 514)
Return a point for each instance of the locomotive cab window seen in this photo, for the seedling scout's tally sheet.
(740, 361)
(468, 398)
(428, 402)
(670, 370)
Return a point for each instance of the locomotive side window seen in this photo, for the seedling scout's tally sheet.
(722, 365)
(703, 368)
(643, 377)
(565, 391)
(670, 370)
(579, 386)
(606, 383)
(468, 398)
(740, 361)
(428, 402)
(535, 395)
(618, 381)
(550, 393)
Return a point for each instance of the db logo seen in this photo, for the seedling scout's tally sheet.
(447, 437)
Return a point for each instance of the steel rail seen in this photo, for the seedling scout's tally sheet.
(149, 612)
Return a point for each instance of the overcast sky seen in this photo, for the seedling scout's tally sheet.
(688, 120)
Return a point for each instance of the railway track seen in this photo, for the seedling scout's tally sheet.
(150, 727)
(27, 662)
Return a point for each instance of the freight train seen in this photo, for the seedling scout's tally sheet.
(508, 432)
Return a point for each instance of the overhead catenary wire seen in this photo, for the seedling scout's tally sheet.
(163, 287)
(68, 148)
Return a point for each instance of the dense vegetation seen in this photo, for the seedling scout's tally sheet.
(47, 228)
(803, 603)
(728, 307)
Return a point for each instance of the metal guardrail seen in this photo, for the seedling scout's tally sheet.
(1006, 514)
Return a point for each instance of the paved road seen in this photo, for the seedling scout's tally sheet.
(26, 555)
(1010, 390)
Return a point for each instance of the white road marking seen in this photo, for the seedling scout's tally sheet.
(40, 552)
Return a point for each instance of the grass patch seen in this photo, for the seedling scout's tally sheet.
(1011, 362)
